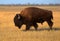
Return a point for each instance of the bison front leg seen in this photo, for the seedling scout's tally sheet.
(50, 23)
(36, 26)
(27, 27)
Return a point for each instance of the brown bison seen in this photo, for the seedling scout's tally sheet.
(31, 16)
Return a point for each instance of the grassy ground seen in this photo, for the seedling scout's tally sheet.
(8, 32)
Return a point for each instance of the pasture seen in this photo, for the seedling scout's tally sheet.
(9, 32)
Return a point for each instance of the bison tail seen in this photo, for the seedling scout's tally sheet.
(51, 14)
(51, 17)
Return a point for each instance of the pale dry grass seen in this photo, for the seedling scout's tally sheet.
(8, 32)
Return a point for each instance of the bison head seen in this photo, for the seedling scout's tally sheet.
(18, 20)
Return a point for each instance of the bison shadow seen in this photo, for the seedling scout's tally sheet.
(42, 29)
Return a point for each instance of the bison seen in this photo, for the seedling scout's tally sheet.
(31, 16)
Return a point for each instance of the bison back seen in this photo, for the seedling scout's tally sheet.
(33, 13)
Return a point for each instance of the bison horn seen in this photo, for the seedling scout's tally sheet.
(18, 16)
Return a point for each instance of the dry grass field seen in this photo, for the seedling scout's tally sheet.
(8, 31)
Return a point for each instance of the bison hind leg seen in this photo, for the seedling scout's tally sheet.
(50, 23)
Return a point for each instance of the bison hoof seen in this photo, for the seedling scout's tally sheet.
(50, 28)
(27, 29)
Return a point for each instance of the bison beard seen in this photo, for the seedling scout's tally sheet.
(31, 16)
